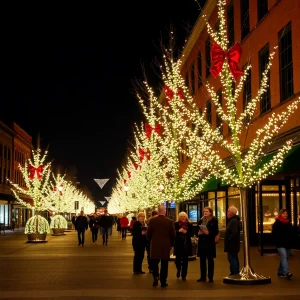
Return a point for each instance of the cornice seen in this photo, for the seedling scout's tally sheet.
(197, 29)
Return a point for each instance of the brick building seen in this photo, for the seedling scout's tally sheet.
(259, 26)
(15, 149)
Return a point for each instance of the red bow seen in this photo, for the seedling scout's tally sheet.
(180, 94)
(125, 181)
(149, 128)
(129, 174)
(169, 93)
(35, 171)
(136, 165)
(144, 153)
(218, 56)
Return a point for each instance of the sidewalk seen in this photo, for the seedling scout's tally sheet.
(59, 269)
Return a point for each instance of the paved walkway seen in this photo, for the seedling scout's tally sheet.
(60, 269)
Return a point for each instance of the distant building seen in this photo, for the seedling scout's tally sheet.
(15, 149)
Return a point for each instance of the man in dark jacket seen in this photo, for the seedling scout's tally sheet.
(105, 224)
(232, 240)
(161, 234)
(81, 225)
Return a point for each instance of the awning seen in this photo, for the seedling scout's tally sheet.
(291, 161)
(210, 185)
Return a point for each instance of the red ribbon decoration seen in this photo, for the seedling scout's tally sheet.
(35, 171)
(144, 153)
(136, 165)
(180, 94)
(128, 174)
(218, 56)
(125, 181)
(149, 128)
(169, 93)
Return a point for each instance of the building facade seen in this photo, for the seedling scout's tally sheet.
(15, 149)
(259, 26)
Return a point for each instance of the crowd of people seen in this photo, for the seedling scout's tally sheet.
(159, 236)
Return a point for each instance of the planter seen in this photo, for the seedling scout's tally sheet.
(37, 238)
(58, 231)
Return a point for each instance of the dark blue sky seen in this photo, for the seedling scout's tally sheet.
(68, 73)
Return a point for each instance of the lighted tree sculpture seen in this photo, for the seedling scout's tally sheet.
(244, 165)
(36, 175)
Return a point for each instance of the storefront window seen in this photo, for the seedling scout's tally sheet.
(234, 198)
(193, 213)
(221, 212)
(270, 206)
(4, 214)
(211, 201)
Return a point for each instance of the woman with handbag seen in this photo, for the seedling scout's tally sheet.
(208, 236)
(94, 226)
(183, 244)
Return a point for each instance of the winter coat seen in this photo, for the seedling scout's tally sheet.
(81, 223)
(206, 242)
(124, 222)
(161, 234)
(183, 242)
(283, 234)
(232, 235)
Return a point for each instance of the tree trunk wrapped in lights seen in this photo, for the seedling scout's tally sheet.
(245, 156)
(36, 175)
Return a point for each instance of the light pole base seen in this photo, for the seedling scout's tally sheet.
(247, 277)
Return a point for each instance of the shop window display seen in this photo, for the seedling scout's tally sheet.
(270, 206)
(221, 210)
(234, 198)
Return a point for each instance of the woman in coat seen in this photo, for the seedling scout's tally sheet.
(208, 233)
(284, 237)
(139, 240)
(183, 244)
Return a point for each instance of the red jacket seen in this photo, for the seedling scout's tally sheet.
(124, 222)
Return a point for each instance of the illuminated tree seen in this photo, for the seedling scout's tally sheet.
(36, 175)
(244, 168)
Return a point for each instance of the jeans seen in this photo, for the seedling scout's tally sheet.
(283, 265)
(104, 235)
(233, 260)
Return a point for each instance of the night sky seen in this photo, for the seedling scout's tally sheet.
(68, 73)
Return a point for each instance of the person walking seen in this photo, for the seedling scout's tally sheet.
(208, 236)
(94, 226)
(13, 223)
(161, 234)
(81, 225)
(124, 226)
(285, 237)
(183, 244)
(154, 214)
(105, 224)
(232, 240)
(139, 239)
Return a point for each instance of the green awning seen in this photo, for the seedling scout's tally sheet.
(291, 163)
(210, 185)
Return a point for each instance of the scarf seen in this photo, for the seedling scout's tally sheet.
(183, 225)
(283, 220)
